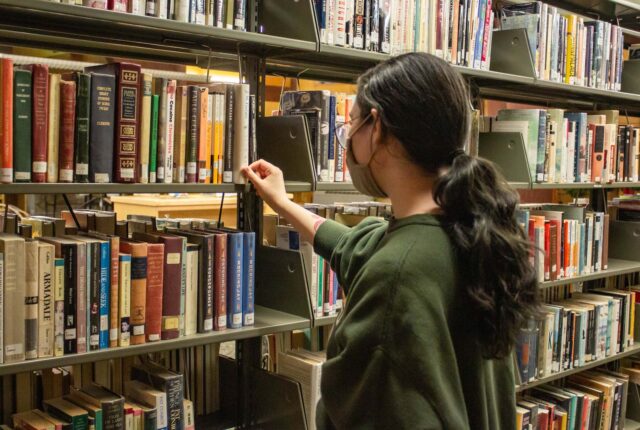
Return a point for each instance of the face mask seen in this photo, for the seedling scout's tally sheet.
(361, 175)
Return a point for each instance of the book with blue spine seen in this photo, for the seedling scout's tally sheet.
(105, 286)
(248, 278)
(583, 247)
(235, 261)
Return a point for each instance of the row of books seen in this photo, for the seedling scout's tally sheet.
(325, 291)
(626, 208)
(575, 331)
(457, 31)
(153, 399)
(569, 48)
(590, 400)
(566, 147)
(129, 283)
(113, 123)
(229, 14)
(325, 112)
(568, 240)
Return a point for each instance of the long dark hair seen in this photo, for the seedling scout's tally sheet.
(424, 103)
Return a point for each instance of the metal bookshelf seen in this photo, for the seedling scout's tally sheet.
(267, 321)
(616, 268)
(584, 186)
(325, 321)
(635, 349)
(85, 188)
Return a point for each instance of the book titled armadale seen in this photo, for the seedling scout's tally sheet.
(128, 115)
(46, 258)
(101, 127)
(6, 119)
(40, 122)
(21, 124)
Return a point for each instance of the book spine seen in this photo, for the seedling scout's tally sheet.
(248, 284)
(6, 119)
(180, 135)
(113, 414)
(209, 139)
(138, 295)
(81, 302)
(339, 36)
(127, 123)
(53, 135)
(359, 24)
(45, 300)
(169, 136)
(171, 300)
(40, 124)
(124, 300)
(541, 146)
(155, 281)
(191, 304)
(220, 290)
(145, 129)
(183, 289)
(93, 298)
(219, 11)
(102, 127)
(227, 175)
(14, 300)
(240, 131)
(105, 293)
(67, 130)
(234, 280)
(193, 134)
(31, 300)
(70, 255)
(114, 291)
(58, 298)
(162, 130)
(332, 144)
(83, 108)
(153, 143)
(203, 142)
(21, 124)
(182, 11)
(240, 18)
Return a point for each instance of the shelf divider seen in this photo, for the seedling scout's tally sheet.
(631, 76)
(510, 53)
(507, 151)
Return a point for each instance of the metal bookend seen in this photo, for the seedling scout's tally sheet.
(510, 53)
(279, 404)
(284, 142)
(631, 77)
(624, 240)
(281, 282)
(294, 19)
(506, 150)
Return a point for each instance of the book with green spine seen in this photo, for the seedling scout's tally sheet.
(67, 411)
(22, 125)
(83, 105)
(153, 143)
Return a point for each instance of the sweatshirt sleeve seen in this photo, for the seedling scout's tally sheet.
(347, 249)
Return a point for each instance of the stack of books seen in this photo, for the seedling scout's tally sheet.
(114, 123)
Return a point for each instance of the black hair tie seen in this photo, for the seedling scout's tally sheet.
(455, 154)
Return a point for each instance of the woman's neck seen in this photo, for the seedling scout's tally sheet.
(412, 195)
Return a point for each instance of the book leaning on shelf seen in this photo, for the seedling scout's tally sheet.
(84, 290)
(114, 123)
(458, 31)
(573, 147)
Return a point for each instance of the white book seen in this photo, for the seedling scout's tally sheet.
(147, 395)
(486, 63)
(53, 143)
(169, 131)
(308, 372)
(31, 299)
(330, 14)
(348, 22)
(161, 11)
(162, 130)
(590, 230)
(542, 41)
(240, 131)
(46, 309)
(145, 129)
(191, 303)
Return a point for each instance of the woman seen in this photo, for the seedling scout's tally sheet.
(437, 295)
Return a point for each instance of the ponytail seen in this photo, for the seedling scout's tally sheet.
(424, 103)
(479, 207)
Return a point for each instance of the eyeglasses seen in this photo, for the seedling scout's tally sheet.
(342, 130)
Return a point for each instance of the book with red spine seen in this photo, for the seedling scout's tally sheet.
(547, 250)
(67, 131)
(128, 112)
(155, 280)
(40, 124)
(220, 285)
(6, 119)
(118, 5)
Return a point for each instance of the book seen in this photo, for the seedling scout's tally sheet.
(52, 127)
(82, 126)
(191, 303)
(12, 248)
(66, 158)
(204, 147)
(172, 384)
(150, 396)
(138, 252)
(124, 300)
(31, 299)
(102, 127)
(67, 411)
(248, 279)
(22, 99)
(193, 134)
(180, 137)
(59, 303)
(46, 300)
(112, 405)
(153, 144)
(145, 128)
(6, 119)
(241, 131)
(155, 285)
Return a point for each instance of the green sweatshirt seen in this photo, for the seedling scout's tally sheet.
(402, 354)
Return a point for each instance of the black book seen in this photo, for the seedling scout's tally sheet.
(101, 127)
(168, 382)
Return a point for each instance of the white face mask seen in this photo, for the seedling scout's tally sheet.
(361, 174)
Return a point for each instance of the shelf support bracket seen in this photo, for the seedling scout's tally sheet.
(73, 214)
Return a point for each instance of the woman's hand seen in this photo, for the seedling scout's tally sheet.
(269, 183)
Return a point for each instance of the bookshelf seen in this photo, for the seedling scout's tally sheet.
(37, 23)
(590, 365)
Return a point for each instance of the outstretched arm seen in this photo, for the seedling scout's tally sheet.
(269, 183)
